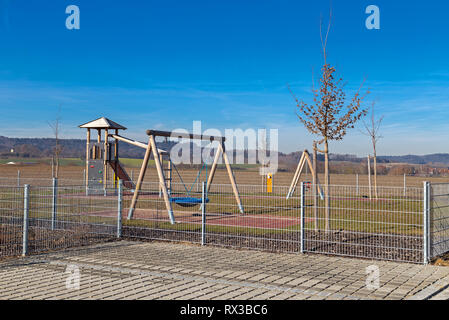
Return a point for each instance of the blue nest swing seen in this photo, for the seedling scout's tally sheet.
(188, 201)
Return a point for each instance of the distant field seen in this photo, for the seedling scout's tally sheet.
(72, 168)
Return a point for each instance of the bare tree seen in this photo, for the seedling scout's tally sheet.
(372, 130)
(55, 126)
(329, 116)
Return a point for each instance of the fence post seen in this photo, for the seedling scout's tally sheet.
(18, 178)
(119, 208)
(405, 185)
(426, 222)
(26, 198)
(203, 214)
(54, 204)
(302, 217)
(357, 183)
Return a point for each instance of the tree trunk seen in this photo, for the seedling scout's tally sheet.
(369, 177)
(326, 184)
(57, 168)
(315, 187)
(375, 172)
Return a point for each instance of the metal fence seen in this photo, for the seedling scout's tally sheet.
(388, 227)
(410, 227)
(438, 235)
(35, 219)
(269, 222)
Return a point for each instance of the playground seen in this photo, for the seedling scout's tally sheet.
(211, 204)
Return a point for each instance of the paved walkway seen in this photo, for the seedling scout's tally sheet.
(137, 270)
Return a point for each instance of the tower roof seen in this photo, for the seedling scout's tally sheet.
(102, 123)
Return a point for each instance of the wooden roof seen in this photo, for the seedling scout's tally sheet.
(102, 123)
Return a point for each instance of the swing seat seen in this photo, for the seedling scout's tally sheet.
(187, 201)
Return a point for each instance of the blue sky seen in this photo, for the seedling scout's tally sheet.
(164, 64)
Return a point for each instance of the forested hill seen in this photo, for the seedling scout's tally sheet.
(71, 148)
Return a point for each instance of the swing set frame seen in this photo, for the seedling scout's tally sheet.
(305, 160)
(151, 148)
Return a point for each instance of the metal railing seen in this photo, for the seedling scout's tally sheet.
(35, 219)
(438, 229)
(411, 226)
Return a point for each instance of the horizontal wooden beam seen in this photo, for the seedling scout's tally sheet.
(135, 143)
(175, 134)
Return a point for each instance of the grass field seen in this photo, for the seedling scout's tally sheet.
(72, 169)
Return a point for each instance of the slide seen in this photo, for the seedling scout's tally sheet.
(122, 175)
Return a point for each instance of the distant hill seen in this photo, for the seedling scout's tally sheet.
(76, 148)
(71, 148)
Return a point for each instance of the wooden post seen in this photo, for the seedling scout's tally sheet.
(87, 157)
(369, 176)
(315, 180)
(162, 179)
(116, 178)
(139, 180)
(213, 168)
(314, 174)
(169, 175)
(295, 179)
(231, 177)
(162, 165)
(105, 160)
(298, 177)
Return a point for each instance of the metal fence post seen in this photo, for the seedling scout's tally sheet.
(26, 198)
(302, 217)
(18, 178)
(54, 204)
(426, 222)
(357, 183)
(405, 185)
(119, 208)
(203, 214)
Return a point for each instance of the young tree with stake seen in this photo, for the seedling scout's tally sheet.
(329, 116)
(372, 130)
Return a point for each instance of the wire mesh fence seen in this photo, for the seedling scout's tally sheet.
(11, 220)
(35, 219)
(357, 221)
(439, 219)
(388, 226)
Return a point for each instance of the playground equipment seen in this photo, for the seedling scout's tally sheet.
(99, 155)
(269, 183)
(186, 201)
(305, 160)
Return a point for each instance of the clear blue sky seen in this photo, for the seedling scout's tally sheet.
(164, 64)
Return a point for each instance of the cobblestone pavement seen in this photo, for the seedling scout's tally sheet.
(144, 270)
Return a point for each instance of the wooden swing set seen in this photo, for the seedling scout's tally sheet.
(99, 156)
(151, 147)
(305, 160)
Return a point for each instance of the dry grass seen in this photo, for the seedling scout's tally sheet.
(243, 176)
